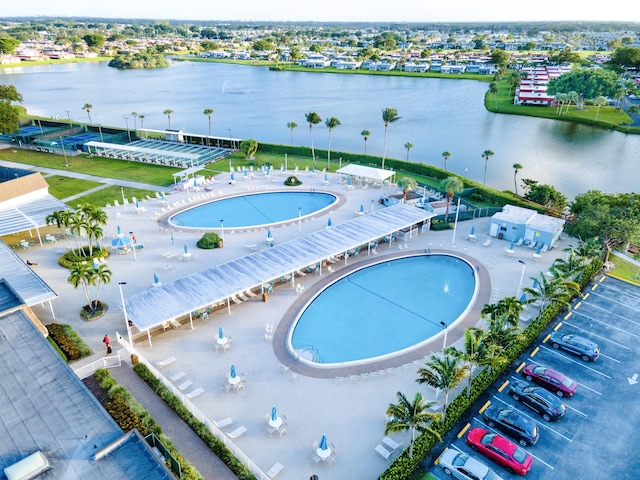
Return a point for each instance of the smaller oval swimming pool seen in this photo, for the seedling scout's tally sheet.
(254, 209)
(382, 310)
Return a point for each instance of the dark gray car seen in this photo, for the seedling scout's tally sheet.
(538, 399)
(512, 423)
(575, 344)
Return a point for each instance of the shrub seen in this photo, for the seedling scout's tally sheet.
(71, 257)
(68, 341)
(476, 197)
(440, 225)
(209, 240)
(292, 181)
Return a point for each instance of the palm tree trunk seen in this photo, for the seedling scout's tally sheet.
(384, 151)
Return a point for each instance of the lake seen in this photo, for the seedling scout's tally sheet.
(253, 102)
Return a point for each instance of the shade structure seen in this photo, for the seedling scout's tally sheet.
(120, 242)
(274, 413)
(269, 236)
(233, 371)
(220, 333)
(323, 445)
(155, 278)
(523, 298)
(473, 229)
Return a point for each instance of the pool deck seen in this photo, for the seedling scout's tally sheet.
(348, 406)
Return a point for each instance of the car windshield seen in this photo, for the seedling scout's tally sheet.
(487, 438)
(491, 475)
(567, 382)
(520, 455)
(460, 460)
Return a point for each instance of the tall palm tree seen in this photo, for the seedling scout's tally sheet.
(443, 374)
(600, 102)
(451, 185)
(87, 108)
(330, 123)
(168, 113)
(487, 154)
(551, 289)
(208, 112)
(365, 134)
(389, 115)
(406, 184)
(516, 168)
(411, 415)
(501, 333)
(141, 117)
(493, 89)
(292, 126)
(408, 146)
(135, 123)
(474, 352)
(313, 119)
(447, 156)
(510, 307)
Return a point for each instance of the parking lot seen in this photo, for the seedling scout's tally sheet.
(597, 436)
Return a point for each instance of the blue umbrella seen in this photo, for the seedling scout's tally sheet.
(512, 246)
(274, 413)
(269, 236)
(195, 182)
(233, 176)
(282, 167)
(361, 208)
(220, 333)
(538, 248)
(186, 249)
(329, 222)
(137, 203)
(155, 278)
(323, 443)
(326, 177)
(120, 241)
(246, 174)
(162, 197)
(233, 371)
(523, 298)
(535, 284)
(95, 264)
(349, 182)
(473, 229)
(119, 231)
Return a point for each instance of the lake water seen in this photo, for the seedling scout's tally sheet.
(253, 102)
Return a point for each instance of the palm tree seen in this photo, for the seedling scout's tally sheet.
(135, 123)
(406, 184)
(208, 112)
(474, 352)
(561, 99)
(168, 113)
(141, 117)
(600, 102)
(292, 126)
(487, 154)
(408, 146)
(447, 156)
(82, 274)
(493, 89)
(389, 115)
(365, 134)
(501, 332)
(313, 119)
(87, 107)
(414, 416)
(330, 123)
(516, 167)
(451, 185)
(511, 307)
(555, 289)
(442, 374)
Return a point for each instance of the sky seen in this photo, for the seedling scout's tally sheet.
(333, 10)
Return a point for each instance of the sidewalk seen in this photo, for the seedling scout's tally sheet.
(186, 441)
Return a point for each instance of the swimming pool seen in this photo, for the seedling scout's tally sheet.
(254, 209)
(383, 310)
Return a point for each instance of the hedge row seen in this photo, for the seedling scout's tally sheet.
(68, 341)
(71, 257)
(129, 414)
(403, 467)
(214, 443)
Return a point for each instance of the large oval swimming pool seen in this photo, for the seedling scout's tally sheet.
(254, 209)
(383, 310)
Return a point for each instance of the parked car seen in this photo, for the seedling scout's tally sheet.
(500, 450)
(550, 379)
(575, 344)
(538, 399)
(464, 467)
(522, 429)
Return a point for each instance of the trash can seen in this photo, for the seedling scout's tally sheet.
(265, 297)
(500, 236)
(220, 244)
(134, 359)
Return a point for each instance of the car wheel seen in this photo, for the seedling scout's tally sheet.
(555, 345)
(509, 469)
(559, 393)
(546, 417)
(523, 442)
(447, 471)
(515, 396)
(585, 358)
(491, 424)
(528, 378)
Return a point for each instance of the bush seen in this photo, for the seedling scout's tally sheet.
(68, 341)
(476, 197)
(440, 225)
(209, 240)
(71, 257)
(292, 181)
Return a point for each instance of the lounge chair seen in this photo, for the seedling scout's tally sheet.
(388, 442)
(275, 470)
(235, 299)
(194, 393)
(519, 242)
(225, 422)
(177, 376)
(184, 385)
(237, 432)
(383, 452)
(533, 244)
(487, 242)
(166, 362)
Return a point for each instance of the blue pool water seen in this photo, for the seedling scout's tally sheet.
(383, 309)
(254, 209)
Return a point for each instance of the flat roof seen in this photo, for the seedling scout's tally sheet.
(22, 279)
(27, 212)
(150, 308)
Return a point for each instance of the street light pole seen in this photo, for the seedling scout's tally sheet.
(524, 266)
(126, 119)
(68, 116)
(444, 343)
(455, 225)
(124, 309)
(299, 219)
(222, 230)
(230, 138)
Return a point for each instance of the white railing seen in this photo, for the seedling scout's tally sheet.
(104, 362)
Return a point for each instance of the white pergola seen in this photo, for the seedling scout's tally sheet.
(377, 174)
(153, 307)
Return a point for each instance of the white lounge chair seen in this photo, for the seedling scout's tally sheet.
(183, 386)
(195, 393)
(225, 422)
(275, 470)
(237, 432)
(519, 242)
(487, 242)
(383, 451)
(392, 444)
(177, 376)
(166, 362)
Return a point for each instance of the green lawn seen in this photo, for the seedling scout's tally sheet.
(107, 195)
(625, 270)
(63, 187)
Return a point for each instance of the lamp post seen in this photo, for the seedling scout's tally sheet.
(230, 140)
(299, 219)
(455, 225)
(124, 309)
(444, 343)
(222, 230)
(126, 119)
(372, 202)
(64, 152)
(524, 266)
(122, 192)
(100, 130)
(68, 116)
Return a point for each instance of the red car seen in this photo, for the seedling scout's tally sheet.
(500, 450)
(550, 379)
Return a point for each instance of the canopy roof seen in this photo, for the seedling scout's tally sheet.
(151, 308)
(21, 278)
(366, 172)
(27, 212)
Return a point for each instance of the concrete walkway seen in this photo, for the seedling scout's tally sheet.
(194, 450)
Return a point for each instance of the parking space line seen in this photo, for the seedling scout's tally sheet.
(503, 386)
(576, 362)
(576, 410)
(464, 429)
(485, 406)
(591, 334)
(540, 424)
(609, 313)
(621, 330)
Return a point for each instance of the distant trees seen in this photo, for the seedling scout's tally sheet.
(9, 113)
(625, 57)
(545, 195)
(168, 113)
(138, 61)
(87, 108)
(487, 154)
(94, 41)
(208, 112)
(446, 155)
(8, 45)
(408, 146)
(365, 135)
(249, 147)
(292, 126)
(589, 83)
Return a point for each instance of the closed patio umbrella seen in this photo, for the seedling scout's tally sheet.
(326, 177)
(329, 223)
(186, 249)
(233, 371)
(119, 231)
(323, 445)
(523, 298)
(155, 278)
(538, 248)
(220, 333)
(361, 208)
(473, 230)
(137, 203)
(233, 177)
(162, 197)
(269, 236)
(274, 413)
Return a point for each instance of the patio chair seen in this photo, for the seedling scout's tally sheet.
(519, 242)
(383, 452)
(225, 422)
(487, 242)
(389, 442)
